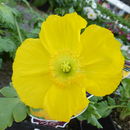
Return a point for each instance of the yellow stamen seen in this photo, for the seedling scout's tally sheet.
(66, 67)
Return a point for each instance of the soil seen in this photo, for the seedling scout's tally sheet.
(120, 124)
(5, 73)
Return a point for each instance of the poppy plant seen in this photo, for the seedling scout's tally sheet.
(54, 71)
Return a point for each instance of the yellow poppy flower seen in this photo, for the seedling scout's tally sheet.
(55, 71)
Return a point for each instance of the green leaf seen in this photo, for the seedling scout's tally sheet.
(8, 92)
(93, 120)
(95, 99)
(9, 108)
(59, 11)
(7, 15)
(97, 109)
(103, 108)
(6, 45)
(6, 107)
(125, 89)
(92, 110)
(19, 112)
(10, 122)
(111, 101)
(91, 115)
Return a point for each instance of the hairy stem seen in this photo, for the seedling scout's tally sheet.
(18, 30)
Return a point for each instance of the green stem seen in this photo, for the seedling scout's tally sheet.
(18, 30)
(28, 5)
(116, 106)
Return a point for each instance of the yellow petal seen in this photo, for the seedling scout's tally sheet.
(101, 60)
(63, 103)
(30, 72)
(62, 33)
(101, 85)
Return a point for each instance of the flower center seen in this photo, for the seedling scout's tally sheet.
(66, 67)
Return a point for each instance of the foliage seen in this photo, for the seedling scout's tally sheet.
(98, 108)
(16, 24)
(7, 45)
(11, 108)
(7, 15)
(124, 99)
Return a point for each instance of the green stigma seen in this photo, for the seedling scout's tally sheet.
(66, 67)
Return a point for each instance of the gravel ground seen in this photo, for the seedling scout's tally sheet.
(120, 124)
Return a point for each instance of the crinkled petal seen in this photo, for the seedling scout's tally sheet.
(63, 103)
(30, 72)
(101, 60)
(62, 33)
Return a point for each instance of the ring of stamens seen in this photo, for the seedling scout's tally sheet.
(64, 69)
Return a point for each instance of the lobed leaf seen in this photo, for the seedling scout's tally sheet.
(15, 110)
(93, 120)
(6, 107)
(8, 92)
(7, 15)
(6, 45)
(111, 101)
(91, 115)
(103, 108)
(19, 112)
